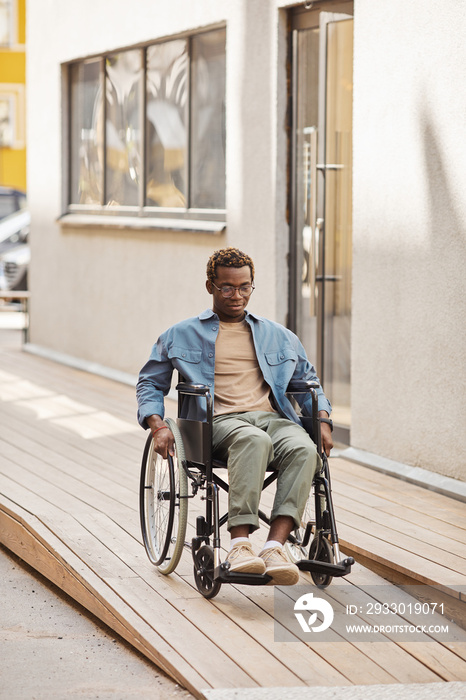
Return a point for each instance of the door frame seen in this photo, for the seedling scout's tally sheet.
(302, 19)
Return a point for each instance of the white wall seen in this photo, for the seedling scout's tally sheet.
(105, 295)
(409, 312)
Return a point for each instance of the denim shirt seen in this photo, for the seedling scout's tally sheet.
(189, 348)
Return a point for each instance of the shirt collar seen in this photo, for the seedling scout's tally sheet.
(209, 313)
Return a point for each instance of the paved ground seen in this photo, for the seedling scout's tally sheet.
(414, 691)
(50, 647)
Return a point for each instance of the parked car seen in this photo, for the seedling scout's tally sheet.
(14, 250)
(11, 200)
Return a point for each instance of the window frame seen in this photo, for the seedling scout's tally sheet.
(137, 216)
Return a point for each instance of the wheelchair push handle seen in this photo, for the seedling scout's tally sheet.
(192, 389)
(301, 386)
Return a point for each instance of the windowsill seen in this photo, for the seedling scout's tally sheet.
(140, 223)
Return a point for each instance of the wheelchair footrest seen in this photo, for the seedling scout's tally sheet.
(322, 567)
(224, 575)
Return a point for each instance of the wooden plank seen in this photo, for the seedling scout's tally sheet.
(407, 563)
(54, 400)
(101, 392)
(98, 392)
(436, 549)
(109, 451)
(402, 517)
(447, 658)
(389, 655)
(38, 443)
(401, 492)
(64, 490)
(415, 662)
(62, 445)
(45, 432)
(72, 493)
(270, 668)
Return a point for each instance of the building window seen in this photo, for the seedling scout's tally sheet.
(167, 112)
(6, 121)
(6, 23)
(147, 129)
(123, 137)
(86, 137)
(208, 122)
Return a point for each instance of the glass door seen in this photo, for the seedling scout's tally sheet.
(321, 243)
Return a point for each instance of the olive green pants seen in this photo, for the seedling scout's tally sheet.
(249, 442)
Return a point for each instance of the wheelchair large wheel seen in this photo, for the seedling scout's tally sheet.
(321, 550)
(163, 503)
(296, 551)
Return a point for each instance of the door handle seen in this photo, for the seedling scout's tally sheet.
(312, 222)
(314, 262)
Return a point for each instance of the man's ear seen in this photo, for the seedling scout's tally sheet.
(208, 286)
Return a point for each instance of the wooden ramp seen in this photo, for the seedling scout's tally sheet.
(69, 470)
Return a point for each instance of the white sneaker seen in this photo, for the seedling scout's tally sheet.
(242, 559)
(282, 571)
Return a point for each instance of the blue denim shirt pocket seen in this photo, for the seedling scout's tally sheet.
(282, 365)
(185, 354)
(187, 361)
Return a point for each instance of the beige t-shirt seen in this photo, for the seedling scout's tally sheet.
(239, 384)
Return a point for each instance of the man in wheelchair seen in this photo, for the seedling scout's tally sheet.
(248, 362)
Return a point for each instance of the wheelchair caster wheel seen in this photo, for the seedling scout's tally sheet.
(204, 572)
(321, 550)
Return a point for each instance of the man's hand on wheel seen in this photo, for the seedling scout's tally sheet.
(325, 434)
(164, 440)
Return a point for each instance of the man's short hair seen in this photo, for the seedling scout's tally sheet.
(228, 257)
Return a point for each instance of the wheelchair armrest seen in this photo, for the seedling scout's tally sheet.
(192, 389)
(311, 423)
(301, 386)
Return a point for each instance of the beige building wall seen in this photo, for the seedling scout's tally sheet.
(105, 294)
(409, 254)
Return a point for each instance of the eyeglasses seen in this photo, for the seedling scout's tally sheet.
(245, 290)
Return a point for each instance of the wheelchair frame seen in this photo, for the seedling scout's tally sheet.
(164, 497)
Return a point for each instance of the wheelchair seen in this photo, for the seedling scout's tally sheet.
(167, 485)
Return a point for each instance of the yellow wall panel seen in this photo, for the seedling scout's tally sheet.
(21, 10)
(13, 168)
(12, 67)
(13, 73)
